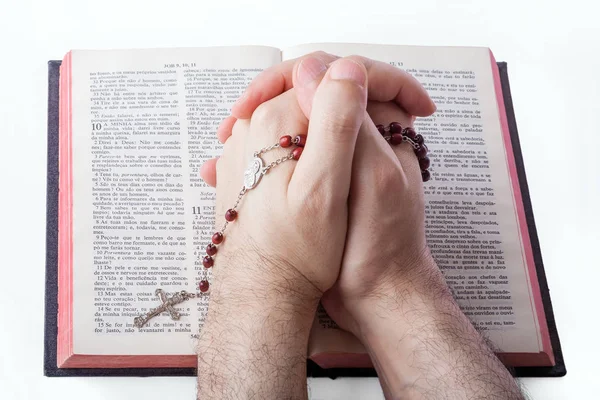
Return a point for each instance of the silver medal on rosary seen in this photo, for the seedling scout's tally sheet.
(253, 173)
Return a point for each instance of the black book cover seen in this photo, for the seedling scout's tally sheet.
(51, 298)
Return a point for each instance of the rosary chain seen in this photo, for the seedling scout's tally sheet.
(265, 149)
(237, 203)
(404, 139)
(277, 162)
(414, 144)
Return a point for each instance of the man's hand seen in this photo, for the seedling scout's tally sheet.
(390, 292)
(285, 248)
(386, 226)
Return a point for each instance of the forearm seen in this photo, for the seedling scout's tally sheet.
(254, 342)
(423, 346)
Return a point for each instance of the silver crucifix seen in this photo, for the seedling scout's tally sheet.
(167, 305)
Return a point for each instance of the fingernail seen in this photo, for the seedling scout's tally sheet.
(346, 69)
(241, 99)
(309, 69)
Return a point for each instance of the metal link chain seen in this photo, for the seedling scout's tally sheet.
(237, 203)
(265, 149)
(276, 163)
(414, 144)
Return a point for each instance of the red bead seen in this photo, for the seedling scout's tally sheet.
(285, 141)
(424, 163)
(421, 151)
(380, 128)
(217, 238)
(211, 249)
(425, 175)
(419, 139)
(297, 152)
(208, 261)
(300, 140)
(231, 215)
(395, 127)
(203, 286)
(396, 139)
(410, 132)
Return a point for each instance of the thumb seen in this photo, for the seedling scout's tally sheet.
(306, 77)
(338, 110)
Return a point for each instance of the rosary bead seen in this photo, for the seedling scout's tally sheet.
(231, 215)
(425, 175)
(421, 151)
(300, 140)
(424, 163)
(297, 152)
(419, 139)
(217, 238)
(410, 132)
(395, 127)
(211, 249)
(396, 139)
(380, 128)
(285, 141)
(208, 262)
(203, 286)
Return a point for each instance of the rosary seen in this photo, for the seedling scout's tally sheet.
(393, 134)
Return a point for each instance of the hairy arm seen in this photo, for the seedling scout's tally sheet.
(423, 346)
(254, 343)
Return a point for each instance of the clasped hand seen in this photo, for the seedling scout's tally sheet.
(343, 225)
(344, 222)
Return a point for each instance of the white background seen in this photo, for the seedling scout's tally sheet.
(552, 51)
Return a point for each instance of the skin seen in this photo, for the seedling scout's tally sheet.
(385, 288)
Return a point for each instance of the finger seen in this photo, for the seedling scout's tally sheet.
(338, 110)
(386, 83)
(208, 172)
(225, 129)
(270, 83)
(389, 83)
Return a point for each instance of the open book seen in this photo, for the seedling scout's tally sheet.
(133, 214)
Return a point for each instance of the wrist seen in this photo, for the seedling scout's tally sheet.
(250, 293)
(253, 315)
(258, 282)
(256, 332)
(406, 295)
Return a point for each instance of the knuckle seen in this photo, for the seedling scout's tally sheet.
(386, 178)
(339, 125)
(263, 114)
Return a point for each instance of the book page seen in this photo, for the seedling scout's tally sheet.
(143, 123)
(471, 221)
